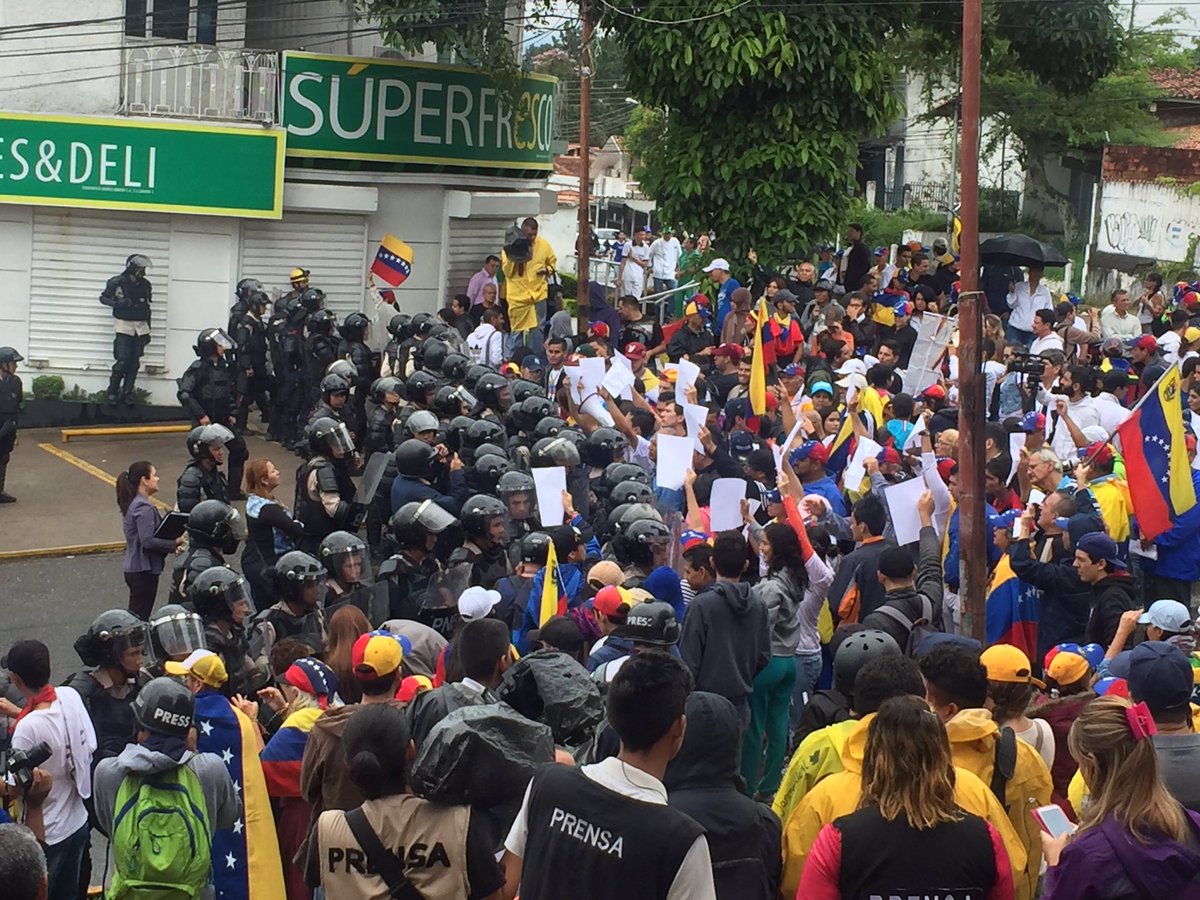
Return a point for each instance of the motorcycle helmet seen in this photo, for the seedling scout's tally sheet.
(174, 633)
(217, 592)
(214, 523)
(109, 636)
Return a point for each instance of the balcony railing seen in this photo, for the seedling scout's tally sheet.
(196, 82)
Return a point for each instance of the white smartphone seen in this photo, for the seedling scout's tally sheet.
(1053, 820)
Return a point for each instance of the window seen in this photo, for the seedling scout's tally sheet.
(172, 20)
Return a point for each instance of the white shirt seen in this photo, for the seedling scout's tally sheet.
(1024, 304)
(1169, 345)
(1113, 324)
(63, 811)
(1083, 413)
(664, 257)
(693, 881)
(1111, 412)
(1050, 341)
(639, 453)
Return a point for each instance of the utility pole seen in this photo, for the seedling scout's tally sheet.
(583, 243)
(972, 518)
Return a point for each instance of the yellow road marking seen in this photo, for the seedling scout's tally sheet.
(96, 472)
(70, 550)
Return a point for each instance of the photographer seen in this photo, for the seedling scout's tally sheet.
(58, 719)
(31, 789)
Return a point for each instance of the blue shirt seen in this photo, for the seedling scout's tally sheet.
(725, 300)
(826, 487)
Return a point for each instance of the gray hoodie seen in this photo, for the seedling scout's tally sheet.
(224, 807)
(726, 640)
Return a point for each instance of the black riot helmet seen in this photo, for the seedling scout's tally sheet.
(454, 367)
(355, 327)
(203, 438)
(489, 468)
(615, 473)
(137, 263)
(400, 326)
(419, 422)
(381, 387)
(433, 353)
(420, 386)
(457, 431)
(535, 547)
(615, 517)
(653, 624)
(602, 446)
(636, 512)
(344, 556)
(216, 593)
(334, 384)
(492, 392)
(631, 492)
(174, 633)
(532, 410)
(548, 426)
(413, 522)
(523, 390)
(489, 450)
(415, 459)
(478, 513)
(312, 299)
(322, 321)
(248, 287)
(216, 524)
(10, 355)
(344, 368)
(210, 340)
(446, 402)
(329, 437)
(259, 301)
(476, 371)
(165, 706)
(514, 482)
(554, 451)
(648, 531)
(422, 323)
(300, 579)
(108, 637)
(484, 431)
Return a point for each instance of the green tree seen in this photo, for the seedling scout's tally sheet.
(610, 111)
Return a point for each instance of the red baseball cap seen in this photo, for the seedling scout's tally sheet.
(635, 350)
(609, 598)
(600, 329)
(733, 351)
(934, 391)
(888, 455)
(1145, 342)
(772, 402)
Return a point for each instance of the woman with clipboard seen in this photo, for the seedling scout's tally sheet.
(145, 550)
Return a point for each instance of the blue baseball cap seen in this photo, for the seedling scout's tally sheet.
(821, 386)
(1159, 673)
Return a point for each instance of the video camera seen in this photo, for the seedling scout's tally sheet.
(1030, 365)
(19, 764)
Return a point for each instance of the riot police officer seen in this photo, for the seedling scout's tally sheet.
(207, 392)
(286, 338)
(324, 491)
(335, 394)
(394, 361)
(214, 530)
(246, 288)
(381, 423)
(482, 559)
(11, 393)
(253, 377)
(220, 599)
(202, 478)
(112, 649)
(345, 558)
(300, 588)
(174, 633)
(355, 331)
(128, 294)
(418, 586)
(320, 347)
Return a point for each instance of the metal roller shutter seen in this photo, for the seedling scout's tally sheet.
(471, 240)
(74, 253)
(332, 247)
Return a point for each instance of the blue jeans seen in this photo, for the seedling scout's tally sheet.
(1017, 336)
(808, 673)
(63, 862)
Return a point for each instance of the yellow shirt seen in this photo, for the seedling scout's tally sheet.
(527, 287)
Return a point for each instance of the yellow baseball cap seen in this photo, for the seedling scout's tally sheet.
(204, 664)
(1008, 664)
(1067, 667)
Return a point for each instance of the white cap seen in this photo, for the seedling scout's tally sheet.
(718, 263)
(476, 603)
(852, 367)
(853, 381)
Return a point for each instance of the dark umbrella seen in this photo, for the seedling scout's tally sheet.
(1019, 250)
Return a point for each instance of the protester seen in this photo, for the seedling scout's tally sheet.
(144, 552)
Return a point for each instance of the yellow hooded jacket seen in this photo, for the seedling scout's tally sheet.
(819, 755)
(973, 737)
(838, 794)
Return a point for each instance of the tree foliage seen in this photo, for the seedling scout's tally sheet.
(610, 113)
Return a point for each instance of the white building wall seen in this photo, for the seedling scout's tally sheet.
(1150, 220)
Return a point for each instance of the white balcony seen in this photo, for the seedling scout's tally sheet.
(198, 82)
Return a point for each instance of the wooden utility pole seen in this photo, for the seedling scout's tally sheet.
(583, 243)
(972, 517)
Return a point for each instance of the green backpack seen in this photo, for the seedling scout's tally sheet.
(161, 837)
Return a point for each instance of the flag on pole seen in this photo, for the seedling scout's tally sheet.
(1156, 460)
(1011, 610)
(758, 364)
(553, 601)
(393, 260)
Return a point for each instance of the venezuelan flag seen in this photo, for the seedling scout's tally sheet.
(841, 446)
(758, 364)
(553, 601)
(283, 754)
(1156, 461)
(245, 858)
(393, 260)
(1011, 611)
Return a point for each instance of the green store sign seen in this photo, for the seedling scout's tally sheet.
(343, 107)
(130, 164)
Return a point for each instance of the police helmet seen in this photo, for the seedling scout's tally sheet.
(514, 482)
(214, 523)
(420, 421)
(442, 331)
(415, 459)
(216, 591)
(493, 392)
(454, 367)
(651, 623)
(341, 547)
(574, 437)
(295, 571)
(422, 323)
(522, 390)
(488, 449)
(485, 431)
(475, 372)
(342, 367)
(489, 468)
(648, 531)
(299, 274)
(412, 522)
(138, 261)
(321, 322)
(419, 386)
(326, 435)
(615, 473)
(554, 451)
(165, 706)
(399, 326)
(247, 287)
(432, 354)
(312, 299)
(381, 387)
(532, 410)
(637, 512)
(601, 446)
(334, 384)
(456, 432)
(109, 636)
(858, 649)
(616, 517)
(548, 426)
(10, 355)
(631, 492)
(535, 547)
(478, 512)
(210, 339)
(174, 633)
(203, 437)
(258, 300)
(446, 402)
(354, 327)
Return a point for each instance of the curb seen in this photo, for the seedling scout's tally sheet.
(69, 550)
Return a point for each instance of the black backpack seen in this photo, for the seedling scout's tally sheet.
(1005, 764)
(917, 630)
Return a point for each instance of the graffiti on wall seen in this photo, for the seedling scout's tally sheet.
(1146, 220)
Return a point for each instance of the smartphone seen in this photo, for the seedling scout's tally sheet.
(1053, 820)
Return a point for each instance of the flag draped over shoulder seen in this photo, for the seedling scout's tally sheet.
(1012, 610)
(283, 754)
(553, 601)
(758, 363)
(1156, 461)
(841, 446)
(245, 858)
(393, 260)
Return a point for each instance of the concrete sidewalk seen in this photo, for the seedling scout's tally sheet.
(67, 502)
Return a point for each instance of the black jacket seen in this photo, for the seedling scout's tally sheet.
(686, 342)
(726, 640)
(207, 388)
(1066, 601)
(703, 781)
(1111, 596)
(928, 587)
(858, 264)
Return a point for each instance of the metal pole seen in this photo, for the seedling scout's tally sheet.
(583, 242)
(1087, 249)
(971, 407)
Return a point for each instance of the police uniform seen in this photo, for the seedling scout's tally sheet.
(319, 351)
(199, 483)
(363, 360)
(253, 377)
(130, 301)
(207, 389)
(286, 339)
(11, 392)
(316, 477)
(486, 567)
(191, 566)
(415, 592)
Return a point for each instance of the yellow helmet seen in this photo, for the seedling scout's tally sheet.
(299, 274)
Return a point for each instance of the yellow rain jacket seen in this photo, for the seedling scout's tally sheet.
(819, 755)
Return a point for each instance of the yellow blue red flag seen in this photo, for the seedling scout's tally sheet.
(758, 364)
(393, 260)
(553, 601)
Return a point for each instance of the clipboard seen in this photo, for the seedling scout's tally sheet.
(172, 526)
